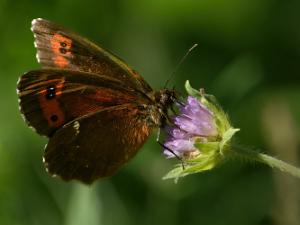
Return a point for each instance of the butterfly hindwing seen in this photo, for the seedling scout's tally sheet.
(96, 145)
(51, 98)
(59, 48)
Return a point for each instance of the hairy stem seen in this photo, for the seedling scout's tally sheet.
(251, 155)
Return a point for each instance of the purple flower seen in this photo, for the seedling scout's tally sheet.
(193, 121)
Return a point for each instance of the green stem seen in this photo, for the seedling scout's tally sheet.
(251, 155)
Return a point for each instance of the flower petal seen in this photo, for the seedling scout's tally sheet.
(194, 109)
(179, 147)
(176, 133)
(196, 126)
(196, 118)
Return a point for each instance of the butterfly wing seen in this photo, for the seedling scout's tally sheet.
(51, 98)
(96, 145)
(91, 105)
(59, 48)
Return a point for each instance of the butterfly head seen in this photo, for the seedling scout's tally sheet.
(166, 98)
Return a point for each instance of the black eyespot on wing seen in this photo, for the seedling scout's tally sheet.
(62, 50)
(63, 44)
(50, 92)
(54, 118)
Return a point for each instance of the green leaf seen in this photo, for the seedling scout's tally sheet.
(206, 163)
(227, 137)
(191, 91)
(207, 147)
(174, 173)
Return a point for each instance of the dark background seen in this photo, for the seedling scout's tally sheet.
(248, 57)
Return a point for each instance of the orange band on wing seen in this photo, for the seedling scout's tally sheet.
(50, 105)
(61, 49)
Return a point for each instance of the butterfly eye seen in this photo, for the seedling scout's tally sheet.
(141, 107)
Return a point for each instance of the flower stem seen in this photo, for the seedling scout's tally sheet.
(251, 155)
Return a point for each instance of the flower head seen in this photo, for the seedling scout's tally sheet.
(200, 134)
(193, 121)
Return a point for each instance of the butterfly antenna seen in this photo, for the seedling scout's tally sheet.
(179, 64)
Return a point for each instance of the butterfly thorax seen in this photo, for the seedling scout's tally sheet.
(158, 111)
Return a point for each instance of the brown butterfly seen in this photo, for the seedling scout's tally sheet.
(96, 110)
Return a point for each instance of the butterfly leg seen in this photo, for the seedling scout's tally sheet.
(168, 149)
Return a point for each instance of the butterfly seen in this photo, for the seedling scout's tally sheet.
(96, 111)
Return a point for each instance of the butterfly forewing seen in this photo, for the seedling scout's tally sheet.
(59, 48)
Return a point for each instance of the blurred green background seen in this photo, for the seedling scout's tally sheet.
(248, 56)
